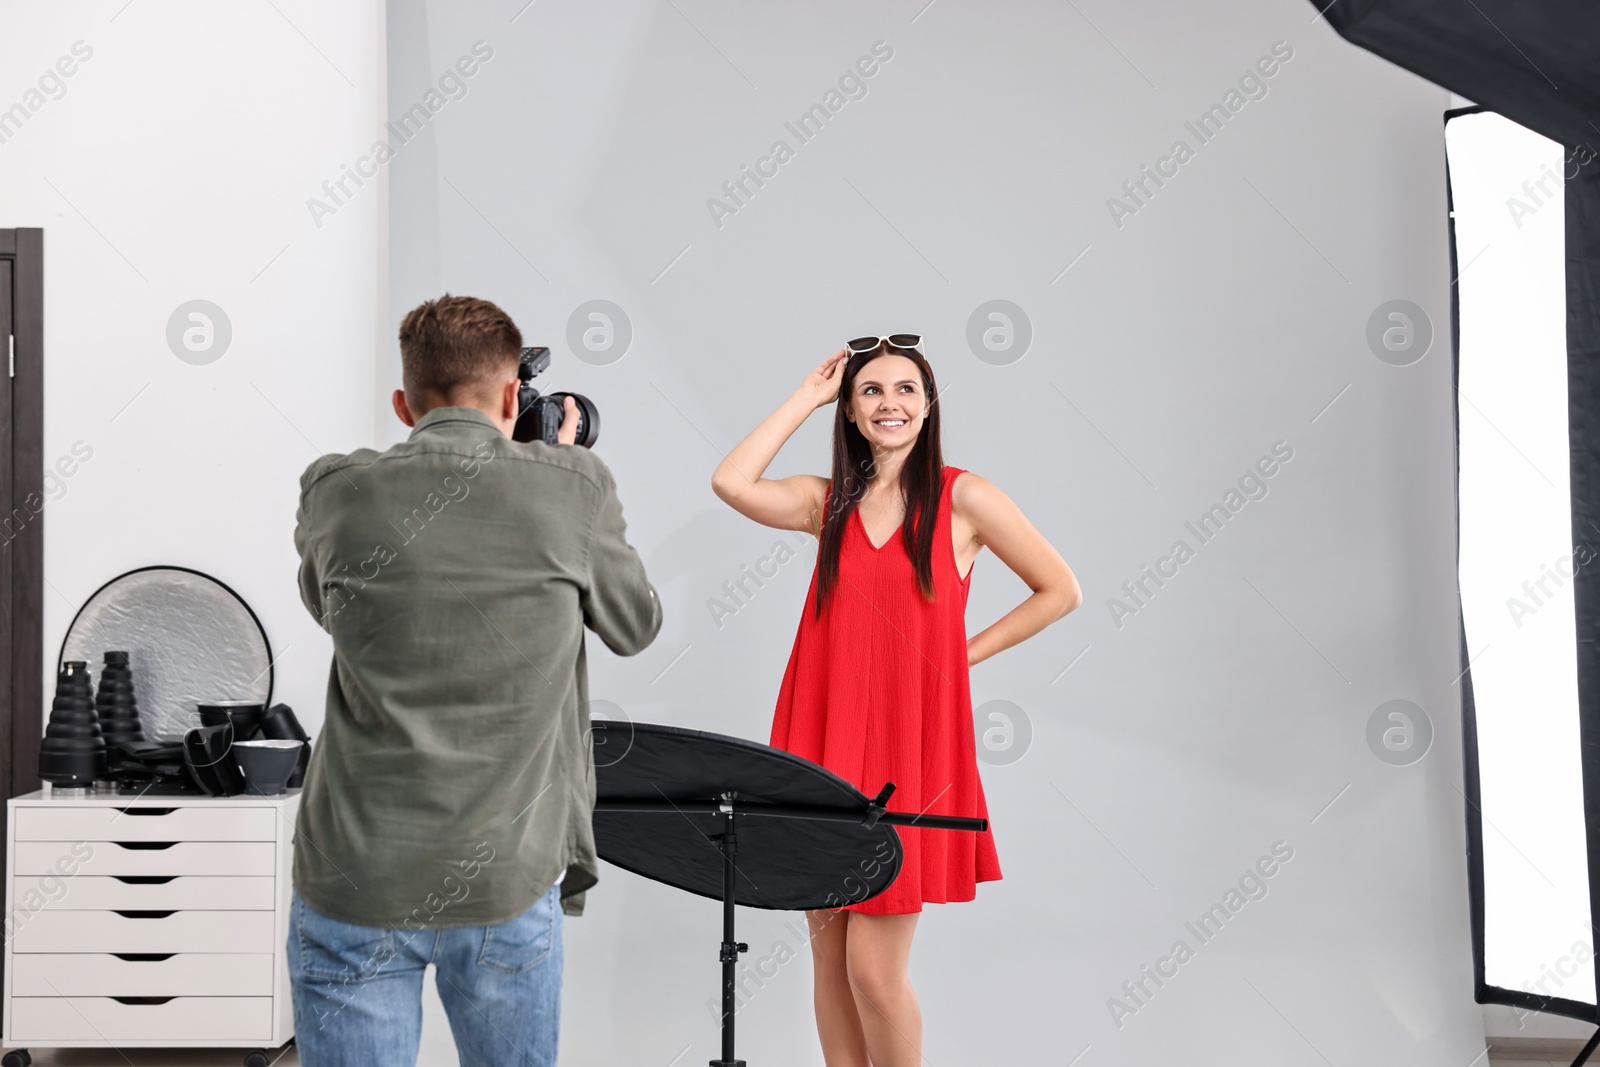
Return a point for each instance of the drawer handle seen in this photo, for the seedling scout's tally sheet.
(144, 957)
(145, 845)
(145, 914)
(142, 1000)
(145, 879)
(147, 811)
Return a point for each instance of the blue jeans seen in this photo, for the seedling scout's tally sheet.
(358, 989)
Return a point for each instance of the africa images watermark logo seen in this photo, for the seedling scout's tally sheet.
(1252, 85)
(1251, 486)
(1537, 592)
(852, 85)
(199, 332)
(50, 86)
(336, 192)
(1250, 887)
(343, 585)
(1575, 159)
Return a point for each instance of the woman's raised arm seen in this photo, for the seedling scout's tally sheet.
(793, 503)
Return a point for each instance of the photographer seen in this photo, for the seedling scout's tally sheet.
(446, 816)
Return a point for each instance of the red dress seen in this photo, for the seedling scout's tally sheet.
(876, 691)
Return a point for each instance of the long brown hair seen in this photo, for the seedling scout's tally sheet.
(854, 469)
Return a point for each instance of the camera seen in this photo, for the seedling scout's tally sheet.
(539, 417)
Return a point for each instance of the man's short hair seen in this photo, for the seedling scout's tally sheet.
(455, 347)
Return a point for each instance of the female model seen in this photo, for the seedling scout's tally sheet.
(876, 689)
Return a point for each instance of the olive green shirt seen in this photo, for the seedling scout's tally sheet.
(452, 783)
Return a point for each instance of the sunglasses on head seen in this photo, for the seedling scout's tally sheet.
(862, 345)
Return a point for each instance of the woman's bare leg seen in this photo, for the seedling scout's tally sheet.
(877, 952)
(838, 1027)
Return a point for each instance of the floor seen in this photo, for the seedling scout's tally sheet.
(1561, 1056)
(230, 1058)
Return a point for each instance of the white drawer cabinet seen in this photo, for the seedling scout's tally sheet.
(106, 1022)
(147, 921)
(145, 931)
(146, 858)
(91, 892)
(149, 822)
(184, 974)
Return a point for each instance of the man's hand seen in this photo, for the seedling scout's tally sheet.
(568, 434)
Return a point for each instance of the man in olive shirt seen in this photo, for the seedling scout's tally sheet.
(446, 816)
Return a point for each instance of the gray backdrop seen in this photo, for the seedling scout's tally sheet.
(1157, 353)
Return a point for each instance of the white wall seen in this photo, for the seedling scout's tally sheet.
(176, 165)
(1228, 314)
